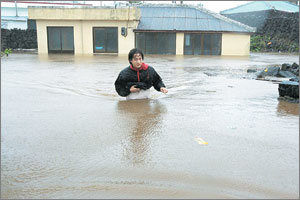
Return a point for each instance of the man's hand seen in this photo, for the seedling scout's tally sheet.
(163, 90)
(134, 89)
(141, 85)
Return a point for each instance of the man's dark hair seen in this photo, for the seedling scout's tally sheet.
(134, 51)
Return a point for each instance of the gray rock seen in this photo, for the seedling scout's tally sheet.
(251, 70)
(289, 88)
(295, 71)
(296, 79)
(269, 71)
(285, 66)
(286, 74)
(295, 66)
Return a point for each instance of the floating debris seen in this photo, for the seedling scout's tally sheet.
(200, 140)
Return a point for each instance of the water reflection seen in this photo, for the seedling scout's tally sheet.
(286, 108)
(143, 118)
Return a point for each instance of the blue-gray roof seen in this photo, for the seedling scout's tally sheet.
(263, 5)
(186, 18)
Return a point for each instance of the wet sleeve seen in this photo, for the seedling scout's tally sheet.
(157, 81)
(122, 87)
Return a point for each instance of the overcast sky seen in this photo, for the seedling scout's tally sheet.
(215, 6)
(218, 6)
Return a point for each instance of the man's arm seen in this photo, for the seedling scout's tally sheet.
(122, 88)
(158, 84)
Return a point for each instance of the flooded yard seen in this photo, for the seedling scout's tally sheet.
(218, 133)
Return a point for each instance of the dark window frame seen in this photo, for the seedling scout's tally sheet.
(60, 51)
(105, 27)
(156, 41)
(192, 43)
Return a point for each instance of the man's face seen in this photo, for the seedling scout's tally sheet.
(137, 60)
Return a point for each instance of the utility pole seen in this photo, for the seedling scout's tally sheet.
(16, 8)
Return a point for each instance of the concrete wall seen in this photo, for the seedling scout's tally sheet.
(83, 34)
(235, 44)
(83, 20)
(51, 13)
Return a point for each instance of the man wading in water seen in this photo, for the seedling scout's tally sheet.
(135, 81)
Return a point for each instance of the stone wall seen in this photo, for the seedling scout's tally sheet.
(18, 39)
(276, 30)
(281, 25)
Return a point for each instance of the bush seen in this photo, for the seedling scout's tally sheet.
(266, 43)
(259, 43)
(6, 52)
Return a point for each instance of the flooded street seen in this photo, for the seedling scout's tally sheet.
(218, 133)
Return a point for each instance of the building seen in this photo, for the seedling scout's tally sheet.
(156, 29)
(13, 17)
(197, 31)
(256, 13)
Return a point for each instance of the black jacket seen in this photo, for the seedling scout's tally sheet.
(128, 77)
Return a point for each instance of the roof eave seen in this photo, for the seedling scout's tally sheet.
(191, 31)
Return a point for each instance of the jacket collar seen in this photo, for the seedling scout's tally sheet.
(143, 67)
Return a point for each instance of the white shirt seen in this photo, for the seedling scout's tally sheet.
(142, 94)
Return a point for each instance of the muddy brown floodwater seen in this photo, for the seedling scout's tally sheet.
(218, 133)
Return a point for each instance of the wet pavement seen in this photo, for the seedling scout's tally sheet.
(218, 133)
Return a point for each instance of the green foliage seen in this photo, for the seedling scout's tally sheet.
(266, 43)
(256, 43)
(6, 52)
(259, 43)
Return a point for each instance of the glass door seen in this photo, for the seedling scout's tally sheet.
(60, 39)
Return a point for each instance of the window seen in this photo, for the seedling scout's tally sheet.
(105, 40)
(156, 43)
(60, 39)
(202, 44)
(188, 40)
